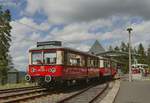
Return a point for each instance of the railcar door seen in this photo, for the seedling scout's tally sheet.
(105, 69)
(93, 70)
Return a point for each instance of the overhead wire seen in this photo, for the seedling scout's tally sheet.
(21, 3)
(29, 26)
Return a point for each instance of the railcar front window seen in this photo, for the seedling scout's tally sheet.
(37, 58)
(50, 58)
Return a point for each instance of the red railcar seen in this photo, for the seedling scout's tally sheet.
(50, 64)
(108, 67)
(55, 63)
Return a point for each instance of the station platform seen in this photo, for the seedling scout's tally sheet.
(134, 92)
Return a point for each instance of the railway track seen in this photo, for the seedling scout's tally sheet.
(88, 95)
(21, 94)
(18, 89)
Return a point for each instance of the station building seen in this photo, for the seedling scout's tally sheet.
(15, 76)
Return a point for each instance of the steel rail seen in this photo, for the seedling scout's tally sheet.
(21, 93)
(18, 89)
(98, 95)
(83, 91)
(19, 99)
(74, 95)
(25, 94)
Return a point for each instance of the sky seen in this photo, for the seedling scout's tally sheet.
(77, 23)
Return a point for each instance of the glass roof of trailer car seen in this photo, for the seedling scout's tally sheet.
(139, 65)
(59, 47)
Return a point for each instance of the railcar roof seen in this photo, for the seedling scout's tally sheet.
(139, 65)
(60, 47)
(46, 47)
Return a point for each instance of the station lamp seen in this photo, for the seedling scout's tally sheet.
(130, 72)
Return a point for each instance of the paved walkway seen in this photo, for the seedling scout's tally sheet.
(134, 92)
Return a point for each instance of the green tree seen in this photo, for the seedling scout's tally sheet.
(127, 47)
(5, 39)
(142, 53)
(110, 48)
(134, 50)
(148, 56)
(10, 63)
(117, 48)
(123, 47)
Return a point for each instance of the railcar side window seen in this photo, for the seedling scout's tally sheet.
(75, 59)
(114, 65)
(92, 62)
(50, 58)
(36, 58)
(101, 63)
(106, 65)
(95, 63)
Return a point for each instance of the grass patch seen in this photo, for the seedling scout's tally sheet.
(18, 85)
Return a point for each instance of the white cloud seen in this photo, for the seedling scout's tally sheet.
(141, 33)
(87, 10)
(79, 31)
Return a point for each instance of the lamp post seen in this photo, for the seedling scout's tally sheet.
(129, 31)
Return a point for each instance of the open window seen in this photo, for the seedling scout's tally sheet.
(74, 59)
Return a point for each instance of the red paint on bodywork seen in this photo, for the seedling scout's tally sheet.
(104, 71)
(113, 71)
(67, 72)
(74, 72)
(41, 70)
(93, 72)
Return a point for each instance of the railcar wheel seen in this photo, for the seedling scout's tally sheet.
(28, 78)
(68, 83)
(48, 79)
(87, 80)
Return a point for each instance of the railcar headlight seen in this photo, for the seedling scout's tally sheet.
(33, 70)
(53, 70)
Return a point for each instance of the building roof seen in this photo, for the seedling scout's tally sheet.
(115, 54)
(96, 48)
(13, 71)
